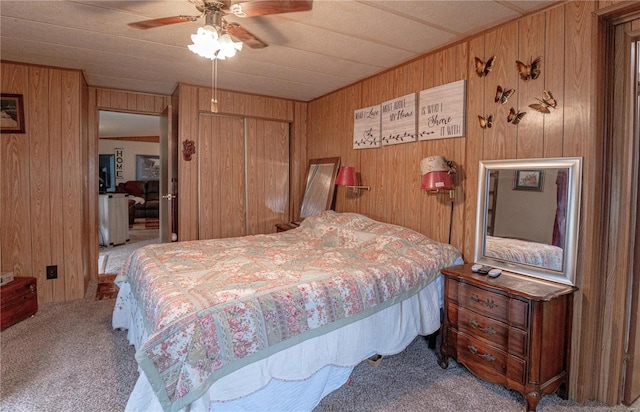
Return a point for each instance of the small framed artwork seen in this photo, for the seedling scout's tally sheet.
(528, 180)
(147, 167)
(12, 113)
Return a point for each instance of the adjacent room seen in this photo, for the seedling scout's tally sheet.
(299, 205)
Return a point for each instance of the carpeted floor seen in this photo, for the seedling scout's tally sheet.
(68, 358)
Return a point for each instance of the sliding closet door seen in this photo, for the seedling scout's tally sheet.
(222, 210)
(267, 174)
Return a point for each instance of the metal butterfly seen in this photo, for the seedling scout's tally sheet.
(486, 123)
(503, 95)
(531, 71)
(483, 68)
(547, 102)
(514, 116)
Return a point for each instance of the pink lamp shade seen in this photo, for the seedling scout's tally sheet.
(436, 174)
(347, 176)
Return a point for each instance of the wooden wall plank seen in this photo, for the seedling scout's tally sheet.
(468, 173)
(57, 164)
(72, 186)
(500, 140)
(531, 44)
(38, 98)
(553, 71)
(15, 201)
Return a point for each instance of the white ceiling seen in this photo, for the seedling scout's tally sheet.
(310, 53)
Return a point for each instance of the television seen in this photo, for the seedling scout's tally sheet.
(107, 173)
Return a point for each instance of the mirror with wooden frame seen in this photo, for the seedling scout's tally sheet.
(527, 216)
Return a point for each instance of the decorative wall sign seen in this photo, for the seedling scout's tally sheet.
(442, 111)
(366, 127)
(399, 120)
(119, 152)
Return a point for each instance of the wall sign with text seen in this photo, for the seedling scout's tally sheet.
(442, 112)
(399, 120)
(366, 127)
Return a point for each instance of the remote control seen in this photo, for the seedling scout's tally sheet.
(494, 273)
(475, 268)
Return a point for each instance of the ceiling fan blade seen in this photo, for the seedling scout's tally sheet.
(150, 24)
(245, 36)
(265, 7)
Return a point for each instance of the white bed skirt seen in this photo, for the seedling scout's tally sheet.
(297, 378)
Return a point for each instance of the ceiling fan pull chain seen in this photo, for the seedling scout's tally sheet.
(214, 83)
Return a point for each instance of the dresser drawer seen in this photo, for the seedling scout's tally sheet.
(477, 354)
(485, 302)
(494, 332)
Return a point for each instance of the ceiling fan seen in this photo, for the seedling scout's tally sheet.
(214, 11)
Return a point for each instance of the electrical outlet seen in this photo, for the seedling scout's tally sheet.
(52, 272)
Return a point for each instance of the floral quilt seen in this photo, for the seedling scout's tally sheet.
(213, 306)
(522, 251)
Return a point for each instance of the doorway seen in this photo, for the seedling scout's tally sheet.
(129, 187)
(621, 166)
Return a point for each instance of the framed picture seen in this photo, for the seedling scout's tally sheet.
(147, 167)
(528, 180)
(12, 112)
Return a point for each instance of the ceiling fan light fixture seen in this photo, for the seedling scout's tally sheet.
(205, 42)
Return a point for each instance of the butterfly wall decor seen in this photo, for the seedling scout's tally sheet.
(483, 68)
(503, 95)
(486, 122)
(530, 71)
(547, 102)
(515, 116)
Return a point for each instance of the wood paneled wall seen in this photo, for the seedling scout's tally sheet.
(42, 181)
(193, 103)
(565, 36)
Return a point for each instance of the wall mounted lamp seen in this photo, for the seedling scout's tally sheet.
(437, 178)
(347, 178)
(437, 175)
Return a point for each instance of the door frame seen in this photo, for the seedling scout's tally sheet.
(620, 198)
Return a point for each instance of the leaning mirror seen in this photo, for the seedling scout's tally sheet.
(527, 216)
(320, 187)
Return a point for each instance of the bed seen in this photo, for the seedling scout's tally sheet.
(275, 322)
(526, 252)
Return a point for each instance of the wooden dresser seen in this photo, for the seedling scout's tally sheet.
(511, 330)
(18, 301)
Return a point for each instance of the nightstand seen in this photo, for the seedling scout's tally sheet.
(511, 330)
(18, 301)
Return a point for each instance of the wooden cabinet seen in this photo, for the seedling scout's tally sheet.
(114, 219)
(19, 300)
(511, 330)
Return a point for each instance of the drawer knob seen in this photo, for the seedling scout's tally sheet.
(488, 329)
(32, 288)
(485, 356)
(488, 303)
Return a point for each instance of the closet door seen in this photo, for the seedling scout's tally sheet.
(222, 208)
(267, 174)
